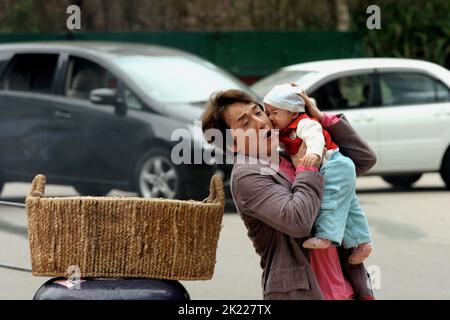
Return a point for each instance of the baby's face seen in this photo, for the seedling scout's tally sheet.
(280, 118)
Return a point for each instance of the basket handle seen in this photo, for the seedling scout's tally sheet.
(38, 186)
(216, 193)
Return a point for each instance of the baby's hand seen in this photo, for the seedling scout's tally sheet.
(311, 160)
(311, 108)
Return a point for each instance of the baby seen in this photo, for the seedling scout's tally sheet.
(341, 219)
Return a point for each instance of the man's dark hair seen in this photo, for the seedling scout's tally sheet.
(212, 117)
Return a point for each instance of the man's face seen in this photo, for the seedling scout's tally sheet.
(280, 118)
(251, 129)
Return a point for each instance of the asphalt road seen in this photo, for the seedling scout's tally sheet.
(410, 260)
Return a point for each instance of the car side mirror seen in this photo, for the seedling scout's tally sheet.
(103, 96)
(106, 96)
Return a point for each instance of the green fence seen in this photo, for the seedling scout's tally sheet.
(246, 54)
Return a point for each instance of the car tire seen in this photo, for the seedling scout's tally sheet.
(92, 190)
(402, 182)
(1, 186)
(445, 169)
(157, 177)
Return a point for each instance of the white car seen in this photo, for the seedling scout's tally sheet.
(400, 106)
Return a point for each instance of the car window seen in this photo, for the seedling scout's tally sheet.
(4, 58)
(407, 88)
(83, 76)
(350, 92)
(30, 72)
(131, 100)
(176, 79)
(442, 91)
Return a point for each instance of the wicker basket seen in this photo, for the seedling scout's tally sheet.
(124, 237)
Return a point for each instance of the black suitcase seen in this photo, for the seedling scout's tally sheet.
(111, 289)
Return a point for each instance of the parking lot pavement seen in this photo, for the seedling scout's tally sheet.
(14, 253)
(410, 236)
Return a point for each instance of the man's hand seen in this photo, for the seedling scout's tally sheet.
(310, 160)
(296, 158)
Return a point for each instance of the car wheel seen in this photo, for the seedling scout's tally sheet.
(445, 169)
(402, 182)
(157, 177)
(92, 190)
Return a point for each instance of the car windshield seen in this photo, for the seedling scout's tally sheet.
(176, 79)
(262, 87)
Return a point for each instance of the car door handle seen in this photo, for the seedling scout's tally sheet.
(62, 114)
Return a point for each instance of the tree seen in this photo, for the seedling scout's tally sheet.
(343, 21)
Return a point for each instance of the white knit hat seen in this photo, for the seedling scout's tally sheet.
(286, 97)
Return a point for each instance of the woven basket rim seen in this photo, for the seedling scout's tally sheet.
(216, 196)
(126, 199)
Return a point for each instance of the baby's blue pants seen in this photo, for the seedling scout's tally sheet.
(341, 218)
